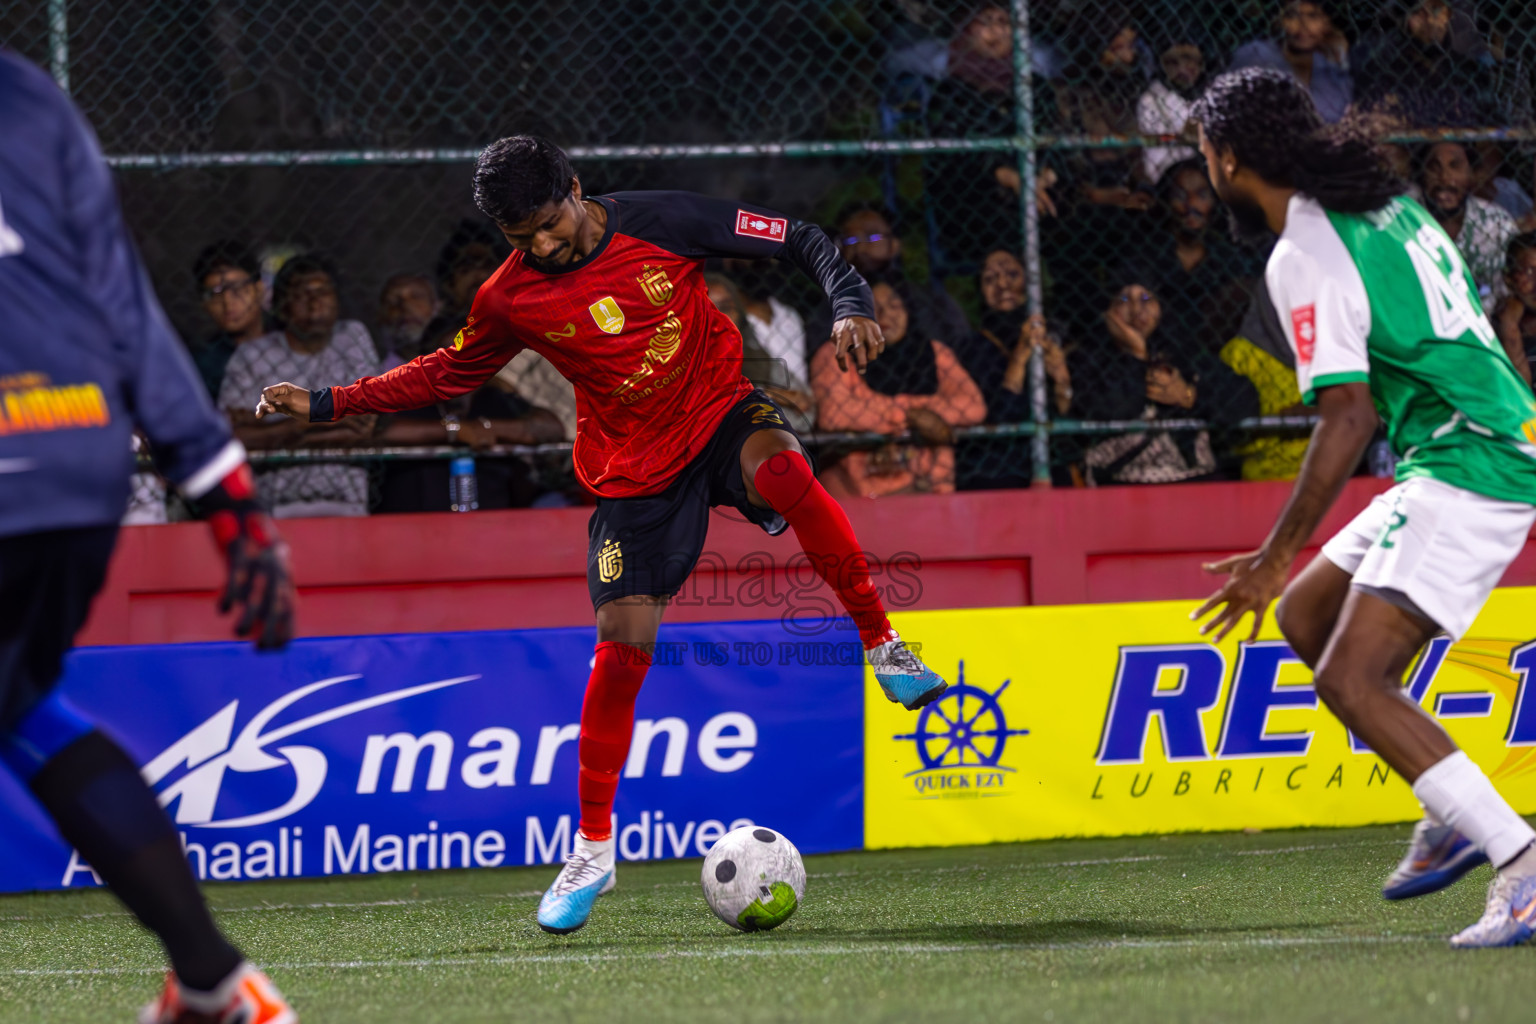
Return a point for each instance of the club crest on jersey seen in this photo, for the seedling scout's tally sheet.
(607, 315)
(654, 283)
(610, 562)
(465, 333)
(1304, 326)
(755, 225)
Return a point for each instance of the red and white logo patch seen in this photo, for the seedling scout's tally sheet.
(755, 225)
(1304, 327)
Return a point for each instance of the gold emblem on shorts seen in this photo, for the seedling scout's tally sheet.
(607, 314)
(655, 285)
(610, 562)
(762, 412)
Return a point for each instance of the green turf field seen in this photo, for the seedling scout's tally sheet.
(1280, 926)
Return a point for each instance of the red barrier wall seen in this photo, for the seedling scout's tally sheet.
(521, 569)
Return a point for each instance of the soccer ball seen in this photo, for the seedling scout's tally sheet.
(754, 878)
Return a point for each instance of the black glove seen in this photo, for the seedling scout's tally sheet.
(260, 582)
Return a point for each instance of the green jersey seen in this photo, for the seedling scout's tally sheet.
(1384, 298)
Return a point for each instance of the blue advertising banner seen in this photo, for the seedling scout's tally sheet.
(395, 753)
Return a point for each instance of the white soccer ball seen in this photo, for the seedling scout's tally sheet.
(754, 878)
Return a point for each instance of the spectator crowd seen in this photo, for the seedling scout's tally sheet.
(1159, 335)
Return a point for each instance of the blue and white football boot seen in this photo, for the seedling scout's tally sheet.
(587, 874)
(1437, 856)
(1510, 918)
(903, 676)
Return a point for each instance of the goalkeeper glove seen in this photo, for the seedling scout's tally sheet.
(260, 582)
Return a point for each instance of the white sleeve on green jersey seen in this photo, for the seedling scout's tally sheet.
(1320, 301)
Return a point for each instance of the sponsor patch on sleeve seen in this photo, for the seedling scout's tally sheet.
(755, 225)
(1304, 327)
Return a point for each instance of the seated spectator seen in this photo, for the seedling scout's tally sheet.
(1492, 184)
(487, 416)
(535, 379)
(146, 490)
(774, 374)
(314, 349)
(996, 356)
(1260, 353)
(915, 385)
(229, 279)
(1197, 272)
(777, 327)
(407, 304)
(1429, 65)
(1125, 373)
(1101, 199)
(1099, 96)
(1515, 317)
(866, 236)
(1311, 47)
(1164, 108)
(470, 256)
(1480, 229)
(974, 197)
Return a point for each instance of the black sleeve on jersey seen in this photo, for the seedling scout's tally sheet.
(702, 227)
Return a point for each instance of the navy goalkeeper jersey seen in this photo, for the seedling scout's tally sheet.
(86, 354)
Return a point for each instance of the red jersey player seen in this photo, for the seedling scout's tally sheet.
(610, 289)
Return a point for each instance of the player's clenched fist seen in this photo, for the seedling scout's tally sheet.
(287, 399)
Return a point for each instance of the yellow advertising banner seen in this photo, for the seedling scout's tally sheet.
(1102, 720)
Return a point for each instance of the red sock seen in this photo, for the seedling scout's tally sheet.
(785, 481)
(607, 723)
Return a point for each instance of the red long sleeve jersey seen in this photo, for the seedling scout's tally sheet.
(655, 365)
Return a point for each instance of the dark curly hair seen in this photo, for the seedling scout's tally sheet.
(295, 267)
(1270, 123)
(517, 175)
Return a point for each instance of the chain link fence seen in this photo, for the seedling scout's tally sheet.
(978, 163)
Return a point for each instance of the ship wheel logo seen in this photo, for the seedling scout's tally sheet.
(964, 728)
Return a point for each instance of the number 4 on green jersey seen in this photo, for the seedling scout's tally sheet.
(1385, 299)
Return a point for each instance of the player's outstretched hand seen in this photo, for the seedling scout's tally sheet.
(260, 585)
(856, 337)
(1253, 583)
(287, 399)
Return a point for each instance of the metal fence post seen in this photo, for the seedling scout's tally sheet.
(1029, 211)
(58, 42)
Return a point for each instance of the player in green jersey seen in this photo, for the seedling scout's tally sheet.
(1385, 324)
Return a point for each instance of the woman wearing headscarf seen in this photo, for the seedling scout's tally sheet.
(1099, 96)
(1129, 371)
(997, 357)
(917, 384)
(975, 196)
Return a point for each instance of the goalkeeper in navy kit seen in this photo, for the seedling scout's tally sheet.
(86, 358)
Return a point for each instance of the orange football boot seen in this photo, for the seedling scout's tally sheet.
(254, 1000)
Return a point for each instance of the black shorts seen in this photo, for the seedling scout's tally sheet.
(649, 545)
(47, 583)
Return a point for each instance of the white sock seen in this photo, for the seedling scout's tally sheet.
(1456, 791)
(1430, 816)
(591, 846)
(213, 1002)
